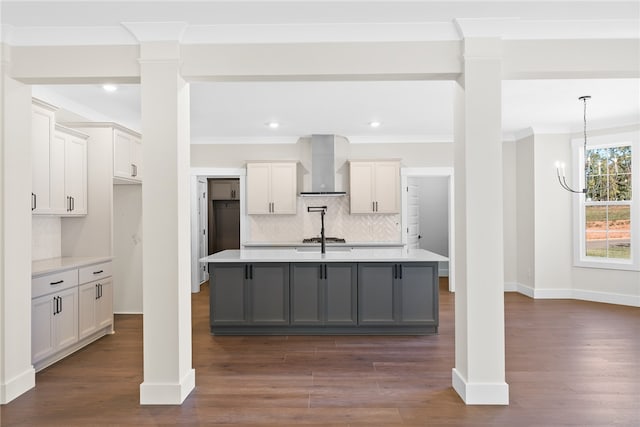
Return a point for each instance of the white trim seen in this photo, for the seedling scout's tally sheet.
(17, 385)
(400, 139)
(480, 393)
(238, 140)
(168, 393)
(606, 297)
(573, 294)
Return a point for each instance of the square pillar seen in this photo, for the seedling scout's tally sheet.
(479, 373)
(16, 371)
(168, 373)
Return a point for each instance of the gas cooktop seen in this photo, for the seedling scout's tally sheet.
(326, 239)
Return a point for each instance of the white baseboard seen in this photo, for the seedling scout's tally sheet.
(127, 312)
(606, 297)
(17, 385)
(577, 294)
(480, 393)
(168, 393)
(443, 272)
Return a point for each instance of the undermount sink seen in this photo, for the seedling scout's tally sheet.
(327, 249)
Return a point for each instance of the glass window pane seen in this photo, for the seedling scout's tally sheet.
(596, 244)
(620, 247)
(597, 188)
(596, 218)
(620, 187)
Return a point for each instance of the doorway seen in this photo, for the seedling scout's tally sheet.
(224, 214)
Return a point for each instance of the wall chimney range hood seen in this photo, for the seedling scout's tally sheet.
(323, 170)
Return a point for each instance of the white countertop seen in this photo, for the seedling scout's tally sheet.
(300, 244)
(336, 255)
(51, 265)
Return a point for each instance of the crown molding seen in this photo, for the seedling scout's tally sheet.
(243, 140)
(156, 31)
(400, 139)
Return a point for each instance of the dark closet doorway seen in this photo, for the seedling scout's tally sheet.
(224, 214)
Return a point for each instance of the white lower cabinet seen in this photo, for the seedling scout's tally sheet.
(54, 323)
(69, 309)
(95, 306)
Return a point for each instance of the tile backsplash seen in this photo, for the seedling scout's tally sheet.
(45, 237)
(337, 221)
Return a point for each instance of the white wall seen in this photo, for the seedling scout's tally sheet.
(509, 187)
(127, 248)
(525, 227)
(45, 237)
(433, 197)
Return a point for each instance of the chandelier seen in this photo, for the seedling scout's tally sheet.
(562, 179)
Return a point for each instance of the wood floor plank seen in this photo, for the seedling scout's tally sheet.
(568, 363)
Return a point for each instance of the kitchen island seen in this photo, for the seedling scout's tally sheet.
(386, 291)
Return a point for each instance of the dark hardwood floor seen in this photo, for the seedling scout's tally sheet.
(568, 363)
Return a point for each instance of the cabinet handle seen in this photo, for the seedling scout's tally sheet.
(376, 206)
(97, 291)
(373, 206)
(400, 270)
(33, 201)
(320, 271)
(56, 283)
(55, 305)
(325, 271)
(60, 301)
(395, 271)
(73, 204)
(68, 203)
(98, 272)
(246, 271)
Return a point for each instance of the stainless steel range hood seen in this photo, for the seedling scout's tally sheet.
(323, 168)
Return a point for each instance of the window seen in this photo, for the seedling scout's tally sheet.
(608, 213)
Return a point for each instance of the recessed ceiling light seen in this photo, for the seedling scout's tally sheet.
(273, 125)
(110, 88)
(374, 124)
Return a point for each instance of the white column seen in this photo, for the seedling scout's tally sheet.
(16, 372)
(168, 373)
(479, 373)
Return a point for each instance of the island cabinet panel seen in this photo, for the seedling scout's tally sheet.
(376, 294)
(398, 294)
(269, 293)
(244, 294)
(228, 303)
(323, 294)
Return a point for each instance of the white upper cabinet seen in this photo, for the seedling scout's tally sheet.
(375, 186)
(59, 165)
(42, 128)
(127, 156)
(68, 172)
(271, 188)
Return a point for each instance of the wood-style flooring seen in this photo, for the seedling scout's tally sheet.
(567, 363)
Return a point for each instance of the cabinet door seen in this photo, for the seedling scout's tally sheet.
(66, 320)
(222, 190)
(75, 174)
(361, 187)
(42, 125)
(376, 294)
(59, 201)
(340, 299)
(283, 188)
(269, 293)
(235, 190)
(306, 282)
(122, 165)
(258, 188)
(87, 296)
(418, 294)
(136, 159)
(42, 327)
(104, 304)
(387, 186)
(228, 294)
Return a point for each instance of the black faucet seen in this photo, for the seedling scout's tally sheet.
(322, 210)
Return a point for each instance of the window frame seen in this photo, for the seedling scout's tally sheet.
(580, 203)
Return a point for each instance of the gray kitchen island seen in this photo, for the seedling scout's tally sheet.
(384, 291)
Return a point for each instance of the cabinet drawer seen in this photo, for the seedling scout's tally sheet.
(53, 282)
(95, 272)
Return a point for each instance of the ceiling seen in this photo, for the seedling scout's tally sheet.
(407, 110)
